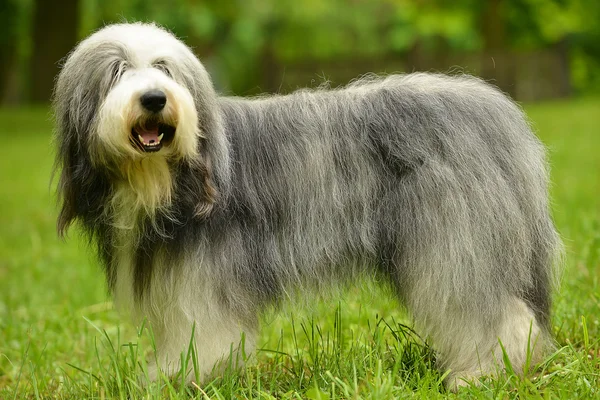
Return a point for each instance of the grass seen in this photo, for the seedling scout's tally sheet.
(60, 338)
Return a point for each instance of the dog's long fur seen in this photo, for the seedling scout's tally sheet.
(435, 183)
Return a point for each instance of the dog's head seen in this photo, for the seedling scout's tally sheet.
(132, 103)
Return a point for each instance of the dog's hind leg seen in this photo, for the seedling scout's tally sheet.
(473, 344)
(461, 262)
(474, 333)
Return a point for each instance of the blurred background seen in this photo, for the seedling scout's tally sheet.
(531, 49)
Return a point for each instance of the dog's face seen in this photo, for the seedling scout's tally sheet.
(130, 92)
(130, 102)
(147, 108)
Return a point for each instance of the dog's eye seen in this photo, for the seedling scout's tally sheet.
(162, 66)
(117, 70)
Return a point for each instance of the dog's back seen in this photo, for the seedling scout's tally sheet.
(385, 166)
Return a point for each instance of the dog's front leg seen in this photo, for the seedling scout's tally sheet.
(201, 345)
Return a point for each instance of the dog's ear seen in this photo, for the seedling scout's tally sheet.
(82, 189)
(66, 195)
(66, 141)
(196, 191)
(211, 174)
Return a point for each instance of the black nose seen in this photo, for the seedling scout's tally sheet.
(154, 100)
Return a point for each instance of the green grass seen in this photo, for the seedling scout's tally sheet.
(59, 337)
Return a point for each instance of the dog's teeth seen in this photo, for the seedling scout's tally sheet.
(141, 139)
(160, 137)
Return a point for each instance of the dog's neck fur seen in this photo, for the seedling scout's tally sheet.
(145, 187)
(143, 191)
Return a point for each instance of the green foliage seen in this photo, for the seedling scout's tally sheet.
(60, 338)
(235, 37)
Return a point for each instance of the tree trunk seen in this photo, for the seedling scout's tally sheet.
(54, 35)
(494, 25)
(8, 47)
(497, 64)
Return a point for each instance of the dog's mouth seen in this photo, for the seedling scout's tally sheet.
(151, 136)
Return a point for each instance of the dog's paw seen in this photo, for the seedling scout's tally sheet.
(457, 380)
(159, 373)
(149, 376)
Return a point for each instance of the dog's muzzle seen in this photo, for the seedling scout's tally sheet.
(152, 133)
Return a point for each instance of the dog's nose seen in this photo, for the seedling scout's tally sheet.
(154, 100)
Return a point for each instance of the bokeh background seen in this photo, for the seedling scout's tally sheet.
(532, 49)
(59, 334)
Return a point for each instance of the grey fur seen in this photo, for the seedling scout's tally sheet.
(435, 182)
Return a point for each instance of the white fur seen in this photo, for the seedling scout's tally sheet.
(518, 337)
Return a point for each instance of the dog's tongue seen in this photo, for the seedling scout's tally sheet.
(149, 134)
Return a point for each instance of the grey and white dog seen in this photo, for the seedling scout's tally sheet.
(207, 209)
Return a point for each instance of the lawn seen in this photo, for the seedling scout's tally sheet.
(60, 338)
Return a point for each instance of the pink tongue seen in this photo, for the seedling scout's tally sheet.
(149, 136)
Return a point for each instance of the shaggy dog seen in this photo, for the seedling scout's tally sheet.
(208, 209)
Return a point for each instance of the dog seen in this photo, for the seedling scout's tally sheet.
(208, 209)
